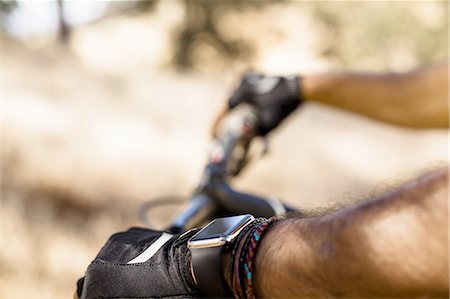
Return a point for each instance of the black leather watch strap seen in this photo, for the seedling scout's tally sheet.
(208, 273)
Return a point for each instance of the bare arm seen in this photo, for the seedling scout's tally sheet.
(415, 99)
(393, 246)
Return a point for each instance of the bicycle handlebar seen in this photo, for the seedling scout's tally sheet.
(214, 196)
(234, 202)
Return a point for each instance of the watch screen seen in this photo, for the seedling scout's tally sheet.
(221, 227)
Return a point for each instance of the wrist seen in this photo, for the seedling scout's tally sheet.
(307, 87)
(293, 88)
(207, 247)
(238, 261)
(265, 260)
(286, 262)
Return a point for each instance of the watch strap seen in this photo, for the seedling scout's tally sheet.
(208, 273)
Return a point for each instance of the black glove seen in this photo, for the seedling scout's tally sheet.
(128, 267)
(274, 98)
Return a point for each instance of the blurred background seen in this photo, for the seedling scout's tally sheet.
(106, 104)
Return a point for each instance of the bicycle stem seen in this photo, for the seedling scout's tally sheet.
(214, 196)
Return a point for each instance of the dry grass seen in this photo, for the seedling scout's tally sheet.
(85, 141)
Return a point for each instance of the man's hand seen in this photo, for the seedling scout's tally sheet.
(273, 98)
(140, 263)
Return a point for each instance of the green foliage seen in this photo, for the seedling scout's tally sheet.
(373, 35)
(145, 5)
(6, 6)
(200, 28)
(367, 35)
(381, 35)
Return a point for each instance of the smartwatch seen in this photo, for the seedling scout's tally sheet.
(206, 247)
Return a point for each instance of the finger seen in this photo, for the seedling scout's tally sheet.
(239, 93)
(235, 99)
(79, 289)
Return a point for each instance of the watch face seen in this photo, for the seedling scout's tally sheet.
(219, 230)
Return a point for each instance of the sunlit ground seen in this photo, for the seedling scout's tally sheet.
(91, 131)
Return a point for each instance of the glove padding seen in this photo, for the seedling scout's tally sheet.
(124, 267)
(274, 98)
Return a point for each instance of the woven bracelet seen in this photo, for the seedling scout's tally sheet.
(255, 237)
(236, 253)
(242, 258)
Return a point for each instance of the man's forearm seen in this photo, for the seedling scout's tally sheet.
(393, 246)
(415, 99)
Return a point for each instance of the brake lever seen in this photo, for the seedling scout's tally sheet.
(245, 161)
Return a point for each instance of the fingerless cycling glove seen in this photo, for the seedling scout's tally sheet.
(274, 98)
(140, 263)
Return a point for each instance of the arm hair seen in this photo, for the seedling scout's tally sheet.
(395, 245)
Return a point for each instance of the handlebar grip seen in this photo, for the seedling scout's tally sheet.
(242, 123)
(230, 147)
(241, 203)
